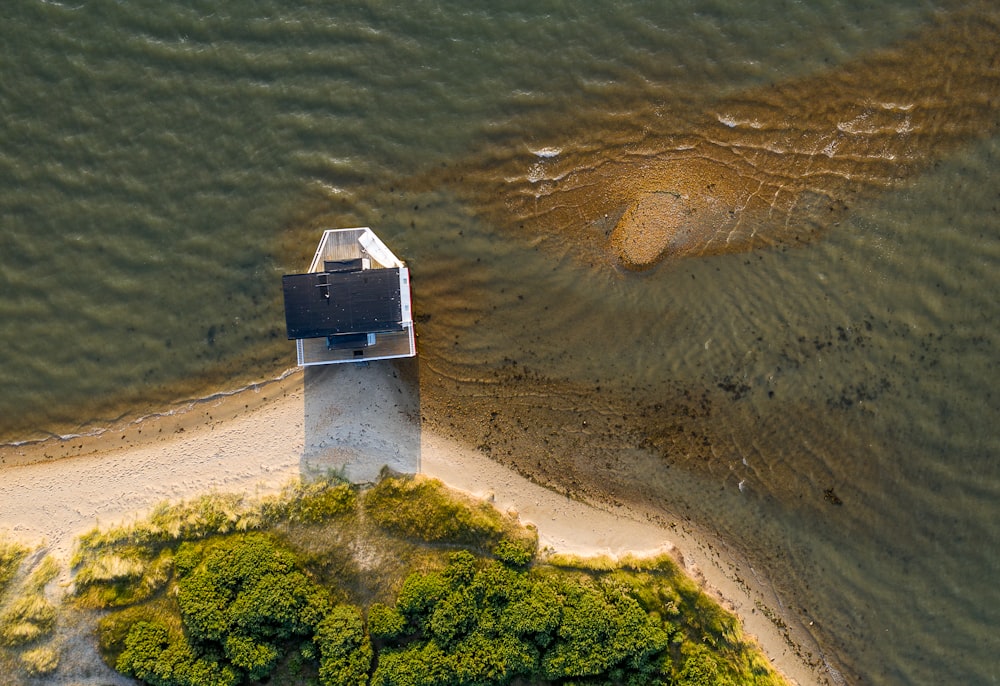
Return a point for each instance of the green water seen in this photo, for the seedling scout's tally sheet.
(162, 165)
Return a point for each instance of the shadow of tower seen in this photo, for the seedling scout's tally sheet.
(360, 418)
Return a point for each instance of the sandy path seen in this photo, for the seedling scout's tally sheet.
(356, 419)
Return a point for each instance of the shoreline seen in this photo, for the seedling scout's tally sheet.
(127, 432)
(353, 420)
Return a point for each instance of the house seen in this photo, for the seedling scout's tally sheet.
(353, 304)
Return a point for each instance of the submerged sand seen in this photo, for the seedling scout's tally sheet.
(355, 420)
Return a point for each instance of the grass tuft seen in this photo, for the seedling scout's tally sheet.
(111, 567)
(40, 661)
(424, 509)
(597, 563)
(11, 556)
(28, 619)
(114, 580)
(315, 502)
(30, 616)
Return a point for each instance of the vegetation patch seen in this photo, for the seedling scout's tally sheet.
(424, 509)
(219, 514)
(27, 616)
(405, 583)
(113, 628)
(40, 661)
(30, 616)
(484, 622)
(123, 565)
(243, 603)
(11, 556)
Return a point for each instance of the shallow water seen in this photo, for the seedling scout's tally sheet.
(163, 165)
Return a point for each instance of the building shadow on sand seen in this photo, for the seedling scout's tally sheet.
(361, 417)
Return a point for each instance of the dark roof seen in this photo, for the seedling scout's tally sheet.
(325, 304)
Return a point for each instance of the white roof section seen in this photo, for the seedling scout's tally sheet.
(350, 244)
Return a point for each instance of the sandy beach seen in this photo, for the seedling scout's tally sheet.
(355, 420)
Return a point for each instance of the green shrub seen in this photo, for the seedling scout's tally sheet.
(114, 627)
(145, 643)
(416, 665)
(486, 623)
(241, 601)
(483, 622)
(529, 608)
(385, 622)
(244, 607)
(516, 552)
(453, 617)
(701, 668)
(420, 593)
(158, 658)
(345, 652)
(246, 585)
(601, 630)
(461, 570)
(706, 642)
(256, 658)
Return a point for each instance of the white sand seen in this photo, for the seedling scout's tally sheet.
(341, 417)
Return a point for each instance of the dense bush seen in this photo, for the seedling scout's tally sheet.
(158, 658)
(114, 627)
(516, 552)
(242, 600)
(385, 622)
(486, 623)
(483, 622)
(345, 653)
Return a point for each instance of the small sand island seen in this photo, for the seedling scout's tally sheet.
(310, 530)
